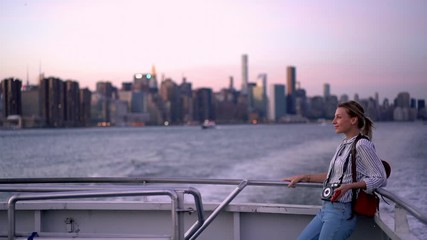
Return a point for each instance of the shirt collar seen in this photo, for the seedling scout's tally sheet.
(349, 141)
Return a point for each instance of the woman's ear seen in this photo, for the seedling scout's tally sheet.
(353, 120)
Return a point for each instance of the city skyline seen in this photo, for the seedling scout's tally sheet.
(354, 48)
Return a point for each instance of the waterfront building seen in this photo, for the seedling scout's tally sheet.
(377, 99)
(231, 83)
(186, 99)
(403, 110)
(101, 103)
(105, 89)
(421, 104)
(371, 108)
(260, 97)
(203, 105)
(344, 98)
(152, 84)
(119, 112)
(316, 108)
(137, 103)
(413, 103)
(291, 90)
(230, 106)
(326, 90)
(169, 93)
(72, 104)
(329, 107)
(156, 110)
(52, 101)
(85, 107)
(127, 86)
(277, 102)
(421, 107)
(356, 97)
(1, 104)
(245, 74)
(300, 102)
(403, 100)
(141, 81)
(11, 96)
(30, 106)
(132, 109)
(126, 95)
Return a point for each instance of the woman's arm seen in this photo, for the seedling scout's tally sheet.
(313, 177)
(369, 166)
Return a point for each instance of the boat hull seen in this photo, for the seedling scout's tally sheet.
(124, 220)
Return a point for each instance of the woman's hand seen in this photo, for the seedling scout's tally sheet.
(339, 192)
(295, 179)
(345, 187)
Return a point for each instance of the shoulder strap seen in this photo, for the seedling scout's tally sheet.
(353, 155)
(353, 166)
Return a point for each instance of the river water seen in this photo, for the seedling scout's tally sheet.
(265, 152)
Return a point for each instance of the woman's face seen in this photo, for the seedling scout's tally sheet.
(343, 123)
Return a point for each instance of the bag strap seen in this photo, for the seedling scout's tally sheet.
(353, 169)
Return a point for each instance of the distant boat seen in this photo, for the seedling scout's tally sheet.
(207, 124)
(13, 122)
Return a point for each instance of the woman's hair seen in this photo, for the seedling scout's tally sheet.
(354, 109)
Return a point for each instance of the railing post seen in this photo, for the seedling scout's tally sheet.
(11, 218)
(220, 207)
(401, 226)
(180, 217)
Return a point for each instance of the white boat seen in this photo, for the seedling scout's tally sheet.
(66, 208)
(207, 124)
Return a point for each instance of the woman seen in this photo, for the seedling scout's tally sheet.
(335, 219)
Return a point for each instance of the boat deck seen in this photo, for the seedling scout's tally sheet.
(130, 220)
(64, 211)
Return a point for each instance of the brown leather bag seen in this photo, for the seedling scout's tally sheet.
(365, 204)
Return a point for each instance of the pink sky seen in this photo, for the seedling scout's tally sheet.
(356, 46)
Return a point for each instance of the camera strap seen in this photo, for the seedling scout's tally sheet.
(339, 152)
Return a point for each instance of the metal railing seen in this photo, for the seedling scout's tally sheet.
(175, 194)
(402, 208)
(85, 194)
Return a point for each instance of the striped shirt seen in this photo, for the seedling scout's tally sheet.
(369, 167)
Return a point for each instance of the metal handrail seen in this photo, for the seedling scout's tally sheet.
(140, 180)
(408, 207)
(84, 192)
(145, 180)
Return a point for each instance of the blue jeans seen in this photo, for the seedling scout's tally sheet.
(331, 222)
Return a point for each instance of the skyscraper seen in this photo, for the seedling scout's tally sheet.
(52, 101)
(291, 90)
(277, 103)
(260, 96)
(72, 103)
(403, 100)
(203, 105)
(85, 106)
(231, 85)
(244, 74)
(326, 90)
(11, 91)
(169, 93)
(143, 82)
(153, 81)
